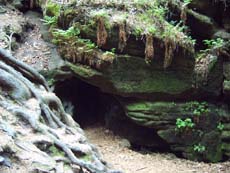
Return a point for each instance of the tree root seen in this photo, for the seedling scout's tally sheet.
(101, 32)
(23, 68)
(122, 37)
(149, 49)
(50, 115)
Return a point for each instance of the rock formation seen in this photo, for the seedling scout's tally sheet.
(143, 56)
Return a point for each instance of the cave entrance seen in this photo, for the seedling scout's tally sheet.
(85, 102)
(91, 107)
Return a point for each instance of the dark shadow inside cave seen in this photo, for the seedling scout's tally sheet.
(85, 102)
(90, 106)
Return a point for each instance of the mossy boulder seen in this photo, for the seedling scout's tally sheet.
(123, 78)
(169, 120)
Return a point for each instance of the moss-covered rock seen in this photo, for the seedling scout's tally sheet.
(207, 70)
(133, 51)
(202, 24)
(123, 79)
(187, 127)
(225, 135)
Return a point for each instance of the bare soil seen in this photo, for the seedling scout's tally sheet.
(113, 150)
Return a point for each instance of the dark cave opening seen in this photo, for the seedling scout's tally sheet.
(85, 102)
(90, 106)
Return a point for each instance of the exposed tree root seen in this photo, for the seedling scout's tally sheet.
(47, 115)
(101, 32)
(149, 49)
(169, 52)
(122, 37)
(23, 68)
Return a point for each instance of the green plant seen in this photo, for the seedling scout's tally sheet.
(113, 50)
(55, 151)
(103, 16)
(70, 32)
(138, 31)
(108, 53)
(214, 43)
(52, 9)
(100, 13)
(220, 126)
(88, 43)
(190, 39)
(199, 148)
(159, 12)
(87, 158)
(50, 20)
(213, 46)
(151, 30)
(198, 108)
(170, 33)
(187, 2)
(184, 124)
(60, 35)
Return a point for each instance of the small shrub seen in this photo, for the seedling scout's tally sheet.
(50, 20)
(184, 124)
(214, 43)
(113, 50)
(198, 108)
(152, 30)
(60, 34)
(52, 9)
(199, 148)
(213, 46)
(88, 43)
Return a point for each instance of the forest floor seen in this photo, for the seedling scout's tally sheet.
(37, 53)
(115, 151)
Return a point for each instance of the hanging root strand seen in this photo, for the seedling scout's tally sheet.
(101, 32)
(149, 48)
(122, 37)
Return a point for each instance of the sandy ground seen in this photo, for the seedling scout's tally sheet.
(122, 158)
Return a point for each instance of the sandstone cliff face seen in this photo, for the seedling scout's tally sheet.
(140, 52)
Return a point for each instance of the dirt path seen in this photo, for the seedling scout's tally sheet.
(113, 151)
